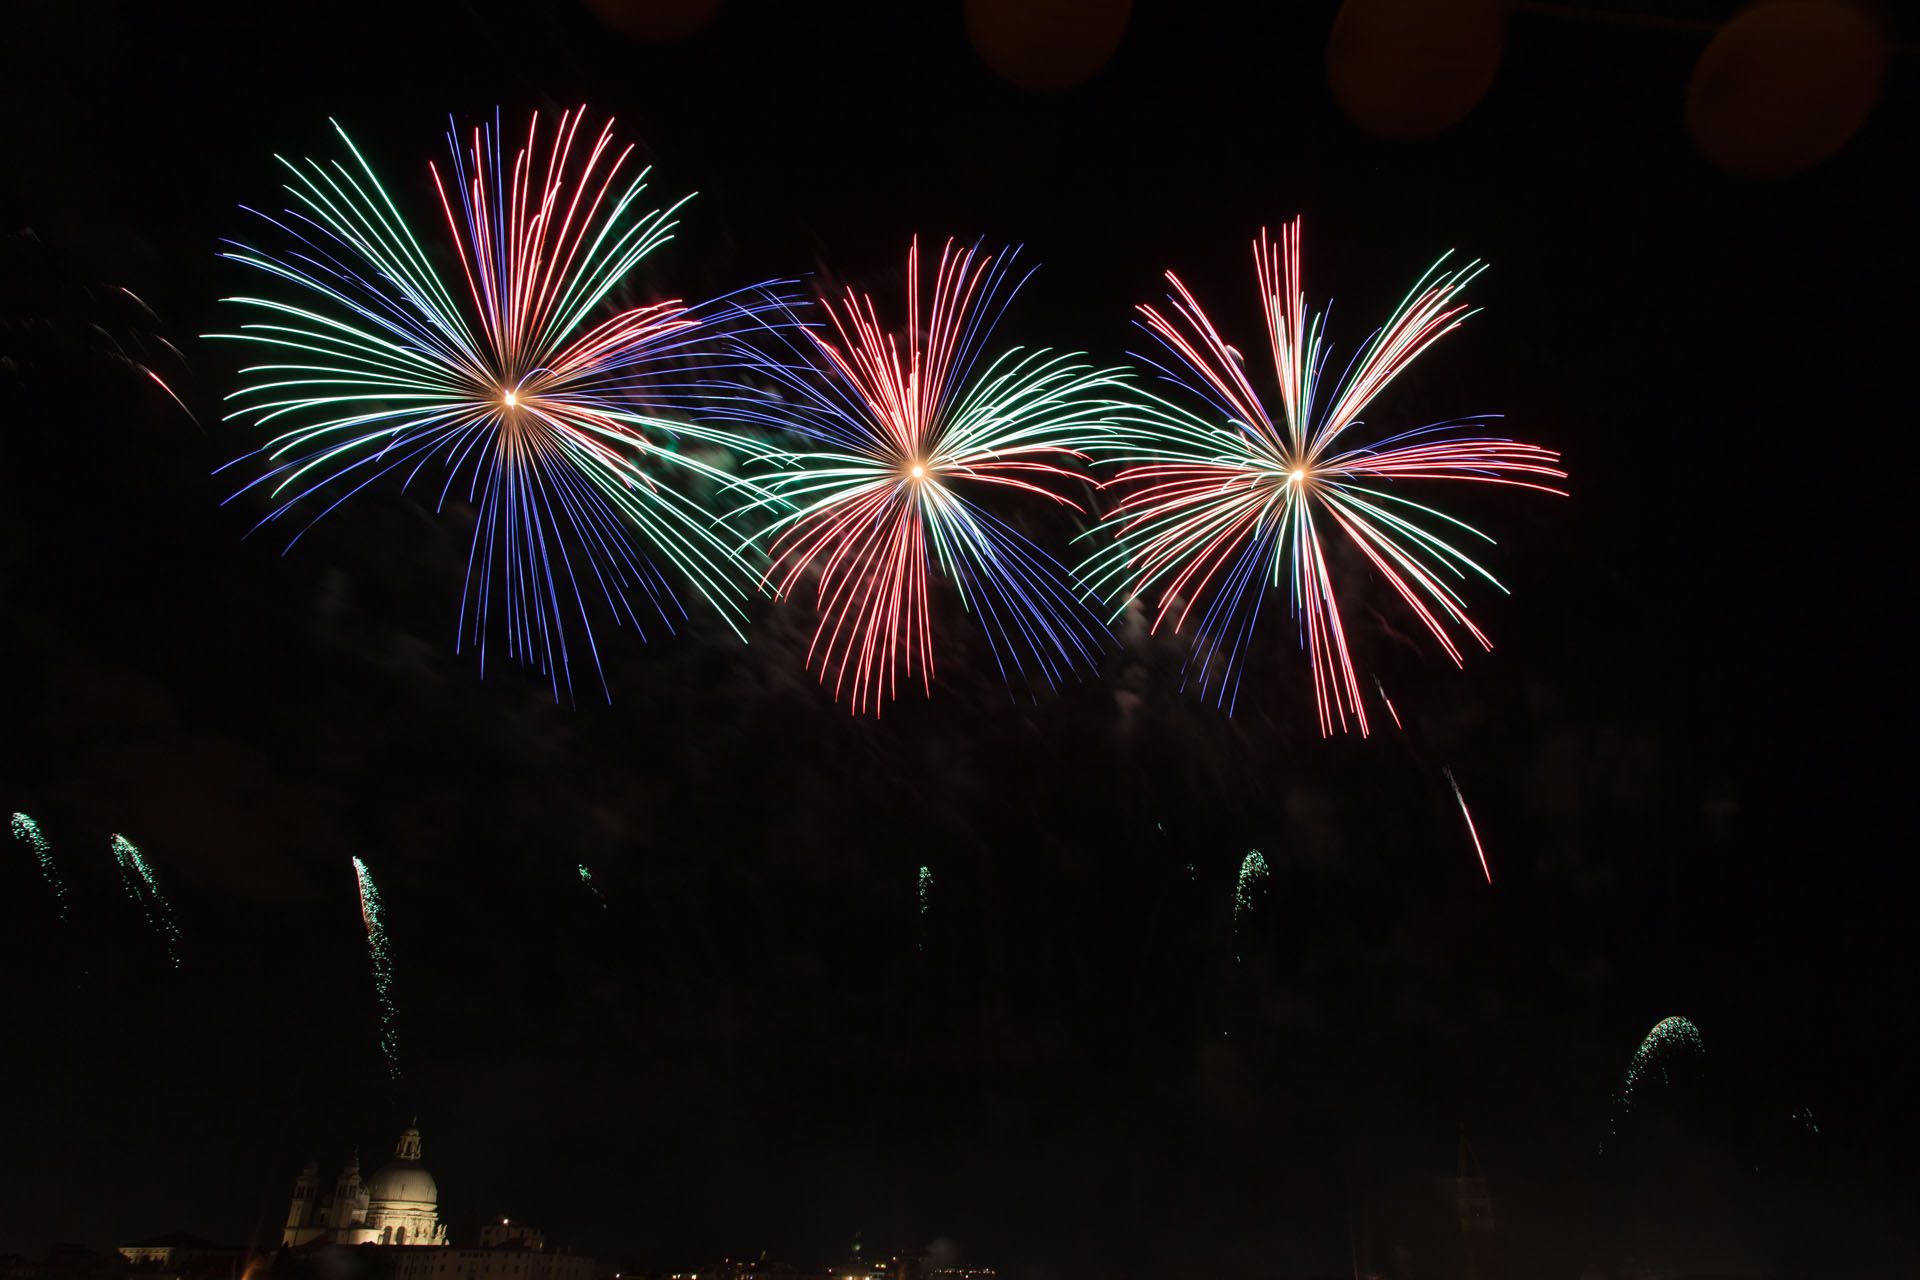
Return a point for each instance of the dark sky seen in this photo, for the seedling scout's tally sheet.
(1683, 754)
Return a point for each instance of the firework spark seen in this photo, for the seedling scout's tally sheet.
(136, 876)
(903, 435)
(1472, 831)
(586, 878)
(28, 832)
(1220, 504)
(373, 916)
(1670, 1039)
(1388, 703)
(539, 414)
(1253, 877)
(924, 883)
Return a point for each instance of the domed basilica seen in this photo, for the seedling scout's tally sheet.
(398, 1205)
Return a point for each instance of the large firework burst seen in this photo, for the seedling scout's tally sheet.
(537, 406)
(1222, 502)
(905, 435)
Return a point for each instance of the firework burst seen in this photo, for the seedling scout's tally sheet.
(374, 917)
(1223, 502)
(28, 832)
(136, 876)
(905, 434)
(536, 406)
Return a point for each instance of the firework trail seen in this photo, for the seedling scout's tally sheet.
(1253, 877)
(903, 433)
(28, 832)
(1669, 1039)
(1220, 504)
(539, 410)
(136, 875)
(923, 885)
(586, 878)
(1461, 800)
(373, 916)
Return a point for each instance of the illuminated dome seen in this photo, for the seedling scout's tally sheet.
(403, 1183)
(403, 1202)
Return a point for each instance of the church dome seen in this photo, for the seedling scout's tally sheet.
(403, 1180)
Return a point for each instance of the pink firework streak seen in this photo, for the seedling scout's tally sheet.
(1472, 831)
(1219, 505)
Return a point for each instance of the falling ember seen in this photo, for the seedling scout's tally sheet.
(1253, 874)
(586, 878)
(1465, 813)
(28, 832)
(373, 916)
(1389, 704)
(136, 874)
(1669, 1038)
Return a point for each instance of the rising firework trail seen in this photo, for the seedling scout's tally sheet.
(902, 435)
(1227, 495)
(1471, 830)
(1670, 1039)
(923, 884)
(28, 832)
(586, 878)
(1253, 877)
(136, 876)
(373, 916)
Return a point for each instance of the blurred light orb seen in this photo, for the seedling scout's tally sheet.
(1046, 45)
(1406, 69)
(656, 20)
(1784, 84)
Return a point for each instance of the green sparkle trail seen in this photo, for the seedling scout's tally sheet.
(28, 832)
(1670, 1040)
(373, 916)
(586, 878)
(926, 890)
(1253, 875)
(136, 874)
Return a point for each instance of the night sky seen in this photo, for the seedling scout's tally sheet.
(1683, 755)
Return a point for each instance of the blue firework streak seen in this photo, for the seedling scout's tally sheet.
(136, 876)
(373, 916)
(28, 832)
(534, 405)
(903, 431)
